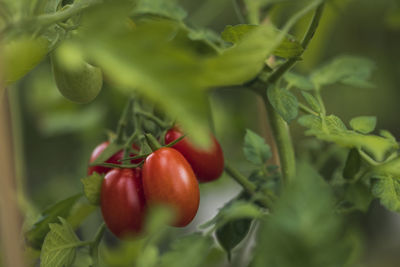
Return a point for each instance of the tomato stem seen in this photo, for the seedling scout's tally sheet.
(279, 127)
(153, 118)
(248, 186)
(123, 122)
(94, 247)
(152, 141)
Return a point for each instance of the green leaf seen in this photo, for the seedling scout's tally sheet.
(312, 101)
(59, 246)
(255, 149)
(234, 210)
(298, 81)
(38, 231)
(51, 6)
(232, 233)
(168, 9)
(363, 124)
(350, 70)
(387, 189)
(359, 195)
(332, 129)
(92, 187)
(284, 102)
(251, 51)
(289, 47)
(388, 135)
(353, 164)
(190, 250)
(234, 34)
(304, 231)
(168, 70)
(79, 213)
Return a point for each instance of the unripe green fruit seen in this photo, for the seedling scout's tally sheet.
(80, 83)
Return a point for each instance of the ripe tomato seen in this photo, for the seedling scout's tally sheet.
(122, 201)
(113, 159)
(168, 179)
(207, 164)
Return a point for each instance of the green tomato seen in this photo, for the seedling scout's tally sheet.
(20, 55)
(79, 82)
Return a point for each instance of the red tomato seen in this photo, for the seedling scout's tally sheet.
(168, 179)
(207, 164)
(122, 201)
(114, 158)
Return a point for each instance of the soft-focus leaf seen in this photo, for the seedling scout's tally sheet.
(387, 189)
(232, 233)
(312, 101)
(304, 231)
(298, 81)
(350, 70)
(59, 246)
(234, 210)
(92, 187)
(359, 195)
(255, 149)
(363, 124)
(37, 233)
(332, 129)
(353, 164)
(190, 250)
(169, 9)
(287, 48)
(284, 102)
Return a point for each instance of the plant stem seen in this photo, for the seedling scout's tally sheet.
(10, 215)
(306, 109)
(304, 43)
(94, 247)
(123, 122)
(153, 118)
(279, 127)
(238, 11)
(283, 140)
(248, 186)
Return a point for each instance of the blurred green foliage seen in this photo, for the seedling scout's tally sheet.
(58, 135)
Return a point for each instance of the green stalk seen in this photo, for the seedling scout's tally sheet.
(248, 186)
(279, 127)
(283, 140)
(94, 247)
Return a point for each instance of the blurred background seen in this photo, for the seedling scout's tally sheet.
(54, 137)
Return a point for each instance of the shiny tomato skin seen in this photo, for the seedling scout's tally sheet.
(113, 159)
(122, 202)
(207, 164)
(169, 180)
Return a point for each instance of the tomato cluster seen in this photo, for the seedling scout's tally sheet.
(167, 176)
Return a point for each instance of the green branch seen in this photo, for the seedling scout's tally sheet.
(248, 186)
(279, 127)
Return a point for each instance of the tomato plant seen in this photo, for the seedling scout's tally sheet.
(305, 177)
(122, 201)
(169, 180)
(207, 164)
